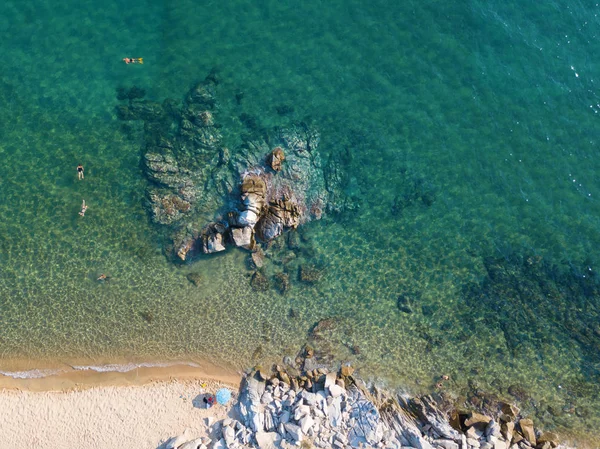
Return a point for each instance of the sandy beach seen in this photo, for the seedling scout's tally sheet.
(139, 409)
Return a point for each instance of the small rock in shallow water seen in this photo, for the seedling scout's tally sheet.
(195, 278)
(518, 392)
(282, 284)
(309, 274)
(347, 370)
(258, 258)
(259, 282)
(549, 437)
(147, 316)
(403, 304)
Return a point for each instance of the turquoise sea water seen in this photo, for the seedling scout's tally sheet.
(489, 106)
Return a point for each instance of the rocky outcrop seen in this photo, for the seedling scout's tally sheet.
(212, 196)
(323, 409)
(282, 214)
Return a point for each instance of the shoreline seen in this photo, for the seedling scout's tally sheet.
(79, 374)
(161, 396)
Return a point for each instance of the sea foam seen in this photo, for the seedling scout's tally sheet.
(119, 368)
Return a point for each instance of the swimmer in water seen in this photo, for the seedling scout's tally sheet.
(80, 171)
(83, 209)
(133, 60)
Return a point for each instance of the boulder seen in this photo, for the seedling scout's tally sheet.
(174, 443)
(473, 442)
(527, 430)
(473, 432)
(253, 184)
(445, 444)
(507, 429)
(300, 411)
(259, 282)
(282, 282)
(330, 379)
(268, 440)
(492, 429)
(276, 158)
(347, 370)
(500, 444)
(258, 257)
(212, 238)
(221, 444)
(242, 237)
(284, 417)
(416, 440)
(367, 429)
(228, 435)
(195, 278)
(477, 419)
(281, 214)
(309, 274)
(247, 218)
(334, 410)
(309, 398)
(184, 247)
(336, 390)
(306, 422)
(549, 437)
(510, 410)
(193, 444)
(294, 431)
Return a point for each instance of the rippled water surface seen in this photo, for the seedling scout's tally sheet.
(472, 134)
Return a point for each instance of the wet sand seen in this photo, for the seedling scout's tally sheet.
(67, 377)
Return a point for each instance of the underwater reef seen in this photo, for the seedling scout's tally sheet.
(209, 196)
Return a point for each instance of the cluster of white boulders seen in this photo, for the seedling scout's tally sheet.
(330, 415)
(324, 409)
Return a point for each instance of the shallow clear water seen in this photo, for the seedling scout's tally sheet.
(489, 106)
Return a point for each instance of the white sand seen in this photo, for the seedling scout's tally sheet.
(107, 417)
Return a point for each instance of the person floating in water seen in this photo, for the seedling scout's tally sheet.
(133, 60)
(83, 209)
(103, 277)
(80, 171)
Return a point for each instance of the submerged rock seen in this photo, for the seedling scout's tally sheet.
(282, 282)
(195, 278)
(262, 189)
(259, 282)
(309, 274)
